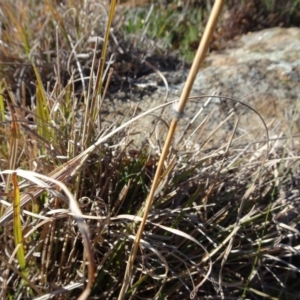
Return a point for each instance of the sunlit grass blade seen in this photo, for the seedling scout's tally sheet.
(59, 19)
(43, 113)
(76, 212)
(4, 127)
(2, 112)
(17, 22)
(103, 53)
(17, 224)
(13, 150)
(14, 138)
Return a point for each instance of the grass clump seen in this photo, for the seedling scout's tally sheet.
(224, 221)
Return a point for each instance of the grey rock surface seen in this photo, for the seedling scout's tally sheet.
(261, 69)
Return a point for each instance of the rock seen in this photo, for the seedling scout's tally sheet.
(261, 69)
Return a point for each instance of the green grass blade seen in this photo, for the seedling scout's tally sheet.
(43, 113)
(18, 236)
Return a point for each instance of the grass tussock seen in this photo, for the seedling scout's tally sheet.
(224, 221)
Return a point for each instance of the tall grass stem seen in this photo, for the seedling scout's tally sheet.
(200, 55)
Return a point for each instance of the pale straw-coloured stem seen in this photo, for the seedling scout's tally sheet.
(200, 55)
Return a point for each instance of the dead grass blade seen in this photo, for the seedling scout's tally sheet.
(69, 287)
(16, 271)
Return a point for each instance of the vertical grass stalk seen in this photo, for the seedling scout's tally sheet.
(200, 55)
(18, 236)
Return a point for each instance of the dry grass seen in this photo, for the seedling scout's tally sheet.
(224, 221)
